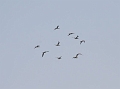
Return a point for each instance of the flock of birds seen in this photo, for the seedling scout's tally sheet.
(58, 44)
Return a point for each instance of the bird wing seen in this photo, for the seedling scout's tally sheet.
(74, 57)
(43, 54)
(37, 46)
(70, 34)
(77, 54)
(80, 42)
(58, 42)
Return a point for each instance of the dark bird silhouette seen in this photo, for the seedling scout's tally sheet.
(82, 41)
(58, 44)
(59, 57)
(77, 55)
(37, 46)
(57, 27)
(44, 53)
(76, 37)
(70, 34)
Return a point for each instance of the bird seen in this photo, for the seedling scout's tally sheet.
(77, 55)
(59, 57)
(37, 46)
(44, 53)
(82, 41)
(76, 37)
(58, 44)
(57, 27)
(70, 34)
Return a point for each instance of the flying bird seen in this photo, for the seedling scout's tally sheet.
(70, 34)
(77, 55)
(76, 37)
(58, 44)
(82, 41)
(37, 46)
(59, 57)
(57, 27)
(44, 53)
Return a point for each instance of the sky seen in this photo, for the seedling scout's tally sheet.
(27, 23)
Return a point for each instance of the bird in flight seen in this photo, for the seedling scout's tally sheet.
(59, 57)
(77, 55)
(57, 27)
(44, 53)
(70, 34)
(58, 44)
(37, 46)
(76, 37)
(82, 41)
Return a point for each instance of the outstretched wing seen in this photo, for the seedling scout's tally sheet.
(80, 42)
(58, 26)
(70, 34)
(84, 41)
(58, 42)
(43, 54)
(36, 46)
(77, 55)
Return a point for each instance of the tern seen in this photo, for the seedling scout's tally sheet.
(59, 57)
(70, 34)
(58, 44)
(44, 53)
(82, 41)
(57, 27)
(76, 37)
(37, 46)
(77, 55)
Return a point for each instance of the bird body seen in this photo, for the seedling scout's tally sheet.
(57, 27)
(76, 37)
(77, 55)
(58, 44)
(70, 34)
(82, 41)
(59, 57)
(37, 46)
(44, 53)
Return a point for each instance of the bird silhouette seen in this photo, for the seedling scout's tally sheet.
(77, 55)
(76, 37)
(37, 46)
(70, 34)
(59, 57)
(58, 44)
(57, 27)
(44, 53)
(82, 41)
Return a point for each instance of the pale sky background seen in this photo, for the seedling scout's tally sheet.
(27, 23)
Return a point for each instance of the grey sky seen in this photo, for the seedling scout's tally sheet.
(27, 23)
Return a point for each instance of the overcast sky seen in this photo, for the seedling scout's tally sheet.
(27, 23)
